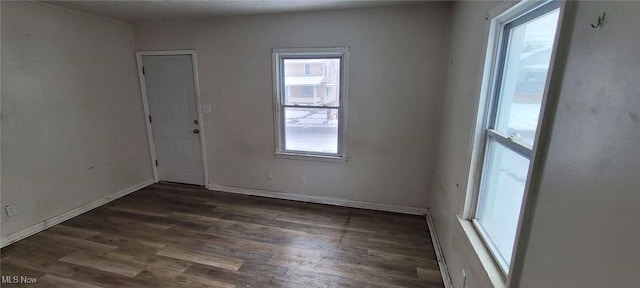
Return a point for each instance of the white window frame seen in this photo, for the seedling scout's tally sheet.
(490, 79)
(278, 57)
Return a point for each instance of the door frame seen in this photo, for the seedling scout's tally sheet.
(145, 104)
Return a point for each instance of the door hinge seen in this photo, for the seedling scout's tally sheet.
(142, 70)
(156, 163)
(150, 119)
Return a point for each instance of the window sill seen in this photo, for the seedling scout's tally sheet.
(311, 157)
(489, 265)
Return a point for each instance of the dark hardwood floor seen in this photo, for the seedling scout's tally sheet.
(170, 235)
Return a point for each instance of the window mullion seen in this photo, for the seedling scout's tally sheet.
(510, 143)
(310, 106)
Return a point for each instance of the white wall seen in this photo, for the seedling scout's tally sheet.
(395, 87)
(468, 38)
(584, 230)
(72, 121)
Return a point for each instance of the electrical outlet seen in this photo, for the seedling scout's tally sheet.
(11, 210)
(464, 278)
(269, 175)
(206, 108)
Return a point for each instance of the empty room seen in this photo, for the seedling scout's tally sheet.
(320, 143)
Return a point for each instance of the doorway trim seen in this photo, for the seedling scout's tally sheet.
(145, 104)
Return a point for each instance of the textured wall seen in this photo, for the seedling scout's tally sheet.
(73, 129)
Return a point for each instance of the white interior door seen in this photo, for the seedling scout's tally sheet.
(172, 101)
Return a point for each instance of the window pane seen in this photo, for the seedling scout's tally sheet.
(311, 130)
(524, 76)
(312, 81)
(504, 176)
(308, 91)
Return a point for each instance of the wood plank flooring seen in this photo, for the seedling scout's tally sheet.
(170, 235)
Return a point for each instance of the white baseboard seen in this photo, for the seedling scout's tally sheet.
(42, 225)
(439, 255)
(320, 200)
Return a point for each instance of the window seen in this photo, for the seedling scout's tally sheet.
(307, 69)
(307, 91)
(512, 117)
(310, 123)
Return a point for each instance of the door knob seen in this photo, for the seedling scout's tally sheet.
(196, 131)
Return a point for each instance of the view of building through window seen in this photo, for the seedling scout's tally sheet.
(524, 77)
(311, 105)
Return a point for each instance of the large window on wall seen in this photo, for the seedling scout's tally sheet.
(310, 107)
(511, 118)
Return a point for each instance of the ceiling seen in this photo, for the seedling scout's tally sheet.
(135, 11)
